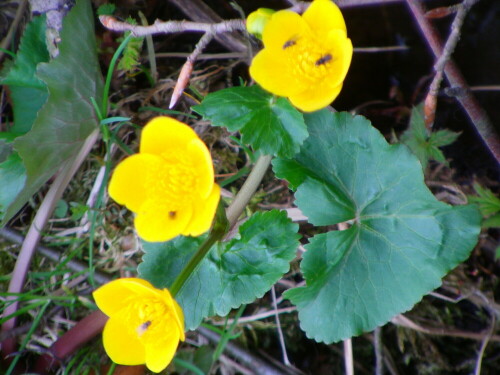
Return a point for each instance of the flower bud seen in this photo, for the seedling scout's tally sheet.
(256, 21)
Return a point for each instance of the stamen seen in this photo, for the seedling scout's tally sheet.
(323, 60)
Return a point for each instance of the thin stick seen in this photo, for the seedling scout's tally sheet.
(255, 317)
(348, 358)
(169, 27)
(403, 321)
(278, 327)
(487, 337)
(187, 69)
(449, 47)
(203, 56)
(484, 344)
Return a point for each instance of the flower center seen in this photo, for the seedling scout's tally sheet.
(148, 317)
(307, 59)
(173, 183)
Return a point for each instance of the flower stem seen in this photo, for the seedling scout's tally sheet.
(193, 263)
(222, 226)
(248, 189)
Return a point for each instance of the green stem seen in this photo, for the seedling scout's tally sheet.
(213, 237)
(218, 231)
(248, 189)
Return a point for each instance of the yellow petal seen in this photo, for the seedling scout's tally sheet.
(315, 98)
(158, 223)
(271, 71)
(341, 50)
(122, 343)
(202, 162)
(116, 295)
(177, 313)
(164, 134)
(322, 16)
(203, 214)
(284, 26)
(127, 185)
(160, 353)
(179, 317)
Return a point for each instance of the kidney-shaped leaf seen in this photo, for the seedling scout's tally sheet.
(270, 124)
(233, 273)
(401, 241)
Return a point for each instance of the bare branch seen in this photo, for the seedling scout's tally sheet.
(449, 47)
(169, 27)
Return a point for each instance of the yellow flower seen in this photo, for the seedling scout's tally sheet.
(169, 183)
(305, 58)
(145, 324)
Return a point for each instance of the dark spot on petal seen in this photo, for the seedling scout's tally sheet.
(323, 60)
(289, 43)
(143, 327)
(172, 214)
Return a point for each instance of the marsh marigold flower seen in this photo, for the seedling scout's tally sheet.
(169, 184)
(145, 324)
(305, 58)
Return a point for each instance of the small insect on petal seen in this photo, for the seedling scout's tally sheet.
(143, 327)
(289, 43)
(323, 60)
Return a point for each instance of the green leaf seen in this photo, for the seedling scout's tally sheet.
(487, 201)
(422, 143)
(443, 137)
(233, 273)
(13, 176)
(61, 209)
(28, 93)
(271, 125)
(401, 241)
(106, 9)
(68, 117)
(132, 52)
(492, 222)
